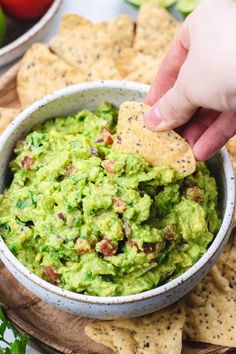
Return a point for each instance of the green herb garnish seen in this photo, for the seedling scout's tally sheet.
(18, 346)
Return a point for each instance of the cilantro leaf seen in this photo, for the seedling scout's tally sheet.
(18, 346)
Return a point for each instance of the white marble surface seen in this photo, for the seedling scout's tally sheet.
(94, 10)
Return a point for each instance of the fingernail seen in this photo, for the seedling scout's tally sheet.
(152, 118)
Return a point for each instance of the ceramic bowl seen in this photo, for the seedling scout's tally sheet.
(17, 48)
(89, 95)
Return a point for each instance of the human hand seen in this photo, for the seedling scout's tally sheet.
(195, 88)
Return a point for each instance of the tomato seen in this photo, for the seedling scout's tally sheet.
(25, 9)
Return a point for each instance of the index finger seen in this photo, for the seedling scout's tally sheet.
(170, 66)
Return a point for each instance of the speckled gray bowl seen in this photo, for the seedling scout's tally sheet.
(89, 95)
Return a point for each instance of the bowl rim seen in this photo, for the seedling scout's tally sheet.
(159, 290)
(37, 27)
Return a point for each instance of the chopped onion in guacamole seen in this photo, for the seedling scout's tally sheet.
(98, 222)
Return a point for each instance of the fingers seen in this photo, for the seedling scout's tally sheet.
(218, 133)
(173, 109)
(201, 120)
(170, 66)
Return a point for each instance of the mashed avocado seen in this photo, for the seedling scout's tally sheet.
(99, 222)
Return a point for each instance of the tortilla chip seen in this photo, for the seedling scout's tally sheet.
(118, 339)
(85, 45)
(42, 72)
(155, 30)
(121, 30)
(158, 148)
(124, 61)
(229, 254)
(142, 68)
(228, 273)
(160, 332)
(82, 47)
(7, 115)
(104, 69)
(211, 308)
(70, 21)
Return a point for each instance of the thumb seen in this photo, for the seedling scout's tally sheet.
(172, 110)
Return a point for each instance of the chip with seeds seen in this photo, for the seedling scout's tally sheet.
(124, 61)
(155, 30)
(211, 308)
(82, 47)
(70, 21)
(229, 254)
(95, 42)
(118, 339)
(121, 30)
(142, 68)
(158, 148)
(160, 332)
(104, 69)
(7, 115)
(42, 72)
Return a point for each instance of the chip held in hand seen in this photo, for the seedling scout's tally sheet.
(158, 148)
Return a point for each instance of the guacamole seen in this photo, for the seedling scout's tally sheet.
(99, 222)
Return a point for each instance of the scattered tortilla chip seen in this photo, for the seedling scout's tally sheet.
(118, 339)
(157, 148)
(121, 29)
(70, 21)
(85, 45)
(143, 68)
(42, 72)
(104, 69)
(82, 47)
(158, 333)
(155, 30)
(211, 308)
(229, 254)
(228, 273)
(124, 61)
(7, 115)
